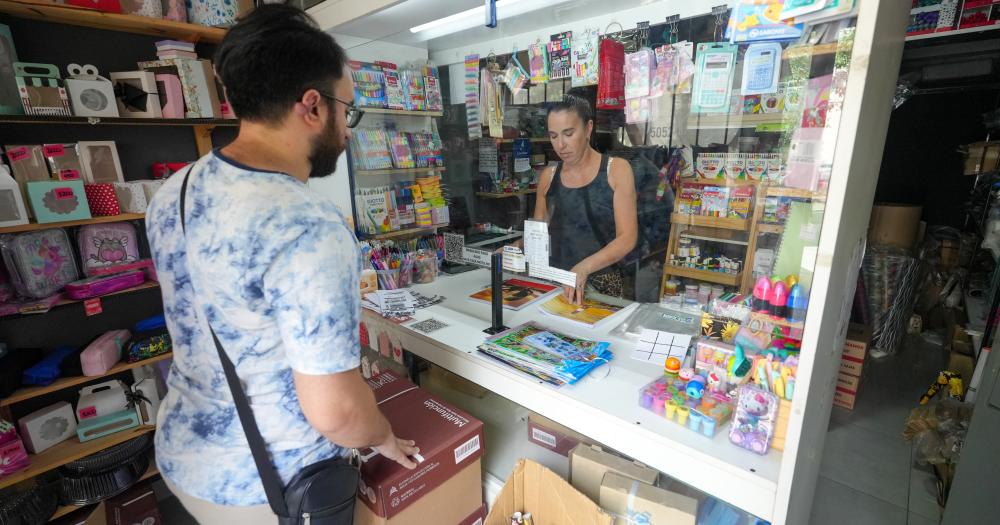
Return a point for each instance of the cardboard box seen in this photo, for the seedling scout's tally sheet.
(550, 500)
(201, 100)
(458, 501)
(589, 463)
(560, 439)
(626, 498)
(852, 360)
(981, 157)
(894, 225)
(449, 439)
(846, 393)
(135, 505)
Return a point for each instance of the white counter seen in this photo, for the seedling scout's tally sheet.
(603, 405)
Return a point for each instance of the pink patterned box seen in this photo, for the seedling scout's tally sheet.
(13, 456)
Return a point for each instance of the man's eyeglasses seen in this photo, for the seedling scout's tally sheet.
(354, 113)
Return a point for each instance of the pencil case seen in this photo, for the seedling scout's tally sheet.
(148, 344)
(48, 369)
(95, 286)
(104, 352)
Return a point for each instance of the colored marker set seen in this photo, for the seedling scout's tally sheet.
(780, 298)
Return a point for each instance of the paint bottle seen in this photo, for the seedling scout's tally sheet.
(798, 302)
(762, 294)
(779, 299)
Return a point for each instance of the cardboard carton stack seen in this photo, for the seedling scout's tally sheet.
(446, 486)
(852, 362)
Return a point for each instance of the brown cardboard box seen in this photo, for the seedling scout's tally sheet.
(894, 225)
(560, 439)
(976, 161)
(625, 497)
(458, 501)
(550, 500)
(846, 393)
(852, 360)
(135, 505)
(449, 441)
(589, 463)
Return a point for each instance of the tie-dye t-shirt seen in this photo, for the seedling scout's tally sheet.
(274, 267)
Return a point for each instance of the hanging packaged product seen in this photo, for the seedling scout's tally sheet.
(368, 84)
(394, 97)
(639, 68)
(611, 84)
(522, 155)
(761, 69)
(432, 88)
(472, 105)
(637, 110)
(585, 58)
(491, 97)
(759, 20)
(713, 80)
(514, 76)
(560, 61)
(797, 8)
(538, 61)
(838, 9)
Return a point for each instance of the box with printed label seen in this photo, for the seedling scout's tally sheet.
(856, 343)
(458, 501)
(546, 433)
(846, 392)
(851, 366)
(449, 440)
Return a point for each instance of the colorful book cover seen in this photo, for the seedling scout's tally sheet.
(517, 293)
(740, 199)
(715, 201)
(689, 202)
(590, 314)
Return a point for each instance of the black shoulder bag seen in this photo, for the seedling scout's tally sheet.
(320, 494)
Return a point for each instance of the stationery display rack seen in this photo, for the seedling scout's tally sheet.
(385, 175)
(47, 12)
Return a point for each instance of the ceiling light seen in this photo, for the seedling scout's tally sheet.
(471, 18)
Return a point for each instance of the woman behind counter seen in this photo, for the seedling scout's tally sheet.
(589, 201)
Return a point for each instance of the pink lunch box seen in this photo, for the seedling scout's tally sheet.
(104, 352)
(13, 456)
(94, 286)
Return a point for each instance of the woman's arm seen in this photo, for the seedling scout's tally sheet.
(622, 182)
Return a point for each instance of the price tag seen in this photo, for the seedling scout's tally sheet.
(477, 256)
(17, 154)
(62, 194)
(93, 306)
(536, 243)
(54, 150)
(69, 174)
(513, 259)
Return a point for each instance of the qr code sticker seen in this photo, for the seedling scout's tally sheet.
(453, 244)
(428, 326)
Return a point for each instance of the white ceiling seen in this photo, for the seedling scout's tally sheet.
(393, 24)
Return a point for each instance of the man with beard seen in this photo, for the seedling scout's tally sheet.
(273, 269)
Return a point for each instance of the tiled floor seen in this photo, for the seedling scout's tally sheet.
(867, 475)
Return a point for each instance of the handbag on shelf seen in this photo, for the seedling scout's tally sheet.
(323, 493)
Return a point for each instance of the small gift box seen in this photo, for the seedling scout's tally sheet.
(102, 199)
(13, 456)
(131, 197)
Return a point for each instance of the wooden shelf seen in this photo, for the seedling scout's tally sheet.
(63, 510)
(401, 112)
(96, 220)
(71, 15)
(24, 394)
(710, 222)
(795, 192)
(776, 321)
(703, 275)
(729, 121)
(770, 228)
(404, 233)
(71, 450)
(818, 49)
(117, 121)
(504, 195)
(401, 171)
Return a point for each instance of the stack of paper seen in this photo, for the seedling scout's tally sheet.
(591, 314)
(391, 303)
(546, 354)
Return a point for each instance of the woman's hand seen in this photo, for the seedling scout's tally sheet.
(575, 294)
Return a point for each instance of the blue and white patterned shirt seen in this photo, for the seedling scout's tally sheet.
(274, 267)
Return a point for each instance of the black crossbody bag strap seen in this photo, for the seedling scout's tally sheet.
(268, 474)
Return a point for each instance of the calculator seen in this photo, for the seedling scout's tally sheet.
(761, 67)
(716, 76)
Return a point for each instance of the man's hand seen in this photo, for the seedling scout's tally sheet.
(399, 450)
